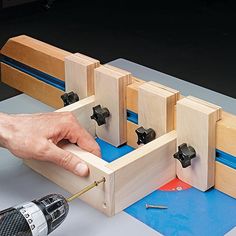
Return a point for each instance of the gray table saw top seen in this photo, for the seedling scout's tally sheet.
(18, 183)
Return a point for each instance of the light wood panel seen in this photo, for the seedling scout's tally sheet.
(225, 179)
(132, 94)
(79, 74)
(31, 86)
(226, 134)
(110, 87)
(144, 170)
(131, 135)
(36, 54)
(82, 111)
(156, 105)
(101, 197)
(196, 123)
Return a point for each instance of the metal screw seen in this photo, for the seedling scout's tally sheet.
(156, 206)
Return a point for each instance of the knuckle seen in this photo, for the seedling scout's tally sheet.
(66, 160)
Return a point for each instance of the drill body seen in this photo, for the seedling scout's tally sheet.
(35, 218)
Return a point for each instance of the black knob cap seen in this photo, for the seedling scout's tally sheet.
(69, 98)
(100, 114)
(145, 135)
(185, 154)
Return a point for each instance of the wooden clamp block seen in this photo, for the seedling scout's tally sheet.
(79, 74)
(110, 92)
(196, 126)
(156, 105)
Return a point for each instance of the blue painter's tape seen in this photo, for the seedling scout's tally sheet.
(132, 116)
(111, 153)
(226, 159)
(48, 79)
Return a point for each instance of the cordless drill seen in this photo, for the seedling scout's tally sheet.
(38, 217)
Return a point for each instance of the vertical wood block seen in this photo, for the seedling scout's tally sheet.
(156, 105)
(110, 92)
(196, 126)
(225, 179)
(79, 74)
(143, 170)
(82, 111)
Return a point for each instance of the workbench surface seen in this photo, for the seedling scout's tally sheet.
(18, 183)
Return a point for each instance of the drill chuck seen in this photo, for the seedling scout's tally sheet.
(36, 218)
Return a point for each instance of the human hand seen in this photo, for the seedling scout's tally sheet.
(34, 136)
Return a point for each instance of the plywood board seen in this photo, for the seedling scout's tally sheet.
(132, 94)
(36, 54)
(31, 86)
(226, 133)
(101, 197)
(196, 126)
(156, 105)
(79, 74)
(82, 111)
(110, 92)
(131, 134)
(225, 179)
(142, 171)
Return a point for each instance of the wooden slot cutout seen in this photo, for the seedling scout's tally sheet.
(196, 126)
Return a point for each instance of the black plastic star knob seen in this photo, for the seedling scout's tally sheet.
(69, 98)
(100, 114)
(185, 154)
(145, 135)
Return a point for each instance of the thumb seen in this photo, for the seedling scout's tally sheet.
(67, 160)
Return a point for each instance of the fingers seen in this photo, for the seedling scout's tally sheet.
(77, 134)
(67, 160)
(87, 142)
